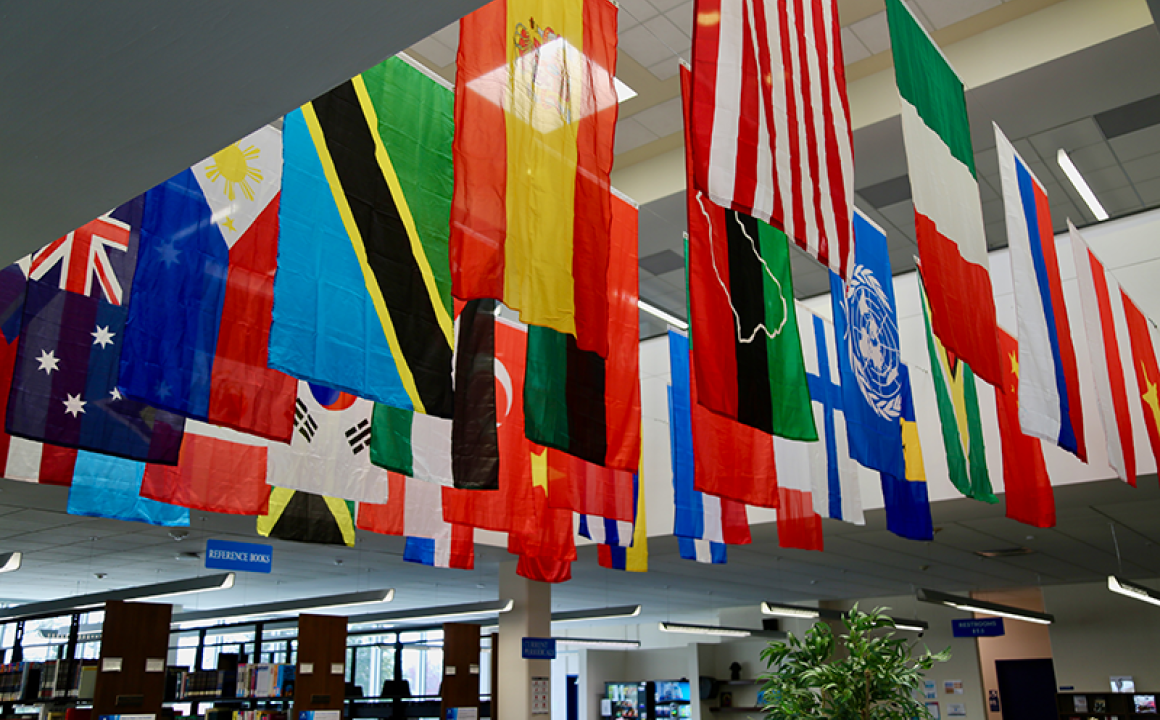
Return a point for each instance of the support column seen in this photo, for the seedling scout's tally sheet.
(530, 616)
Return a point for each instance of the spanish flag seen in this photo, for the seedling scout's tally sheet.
(535, 117)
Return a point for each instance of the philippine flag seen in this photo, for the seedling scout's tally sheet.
(197, 333)
(1049, 402)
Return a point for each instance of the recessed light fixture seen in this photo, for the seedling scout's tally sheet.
(10, 562)
(658, 313)
(1080, 185)
(983, 607)
(1132, 590)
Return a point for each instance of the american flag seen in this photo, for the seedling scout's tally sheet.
(83, 256)
(771, 122)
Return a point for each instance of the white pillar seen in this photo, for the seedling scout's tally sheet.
(530, 616)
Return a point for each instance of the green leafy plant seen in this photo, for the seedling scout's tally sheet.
(876, 678)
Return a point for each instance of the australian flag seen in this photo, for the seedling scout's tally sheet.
(64, 384)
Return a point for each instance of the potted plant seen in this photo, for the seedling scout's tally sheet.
(877, 677)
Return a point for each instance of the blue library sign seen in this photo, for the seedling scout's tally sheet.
(982, 627)
(247, 557)
(539, 648)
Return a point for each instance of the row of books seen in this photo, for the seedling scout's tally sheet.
(35, 681)
(265, 680)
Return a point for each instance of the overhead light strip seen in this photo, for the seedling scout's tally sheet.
(983, 607)
(610, 613)
(201, 618)
(1080, 185)
(10, 562)
(441, 612)
(597, 642)
(1132, 590)
(798, 611)
(64, 606)
(672, 627)
(658, 313)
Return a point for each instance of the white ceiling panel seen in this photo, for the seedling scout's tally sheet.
(852, 48)
(873, 32)
(942, 13)
(630, 135)
(643, 46)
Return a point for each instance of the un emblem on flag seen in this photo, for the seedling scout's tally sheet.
(872, 338)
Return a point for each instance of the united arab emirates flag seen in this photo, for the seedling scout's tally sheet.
(577, 401)
(748, 364)
(958, 410)
(305, 517)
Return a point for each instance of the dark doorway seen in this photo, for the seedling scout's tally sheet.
(572, 696)
(1027, 689)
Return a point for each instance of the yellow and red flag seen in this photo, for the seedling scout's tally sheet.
(535, 119)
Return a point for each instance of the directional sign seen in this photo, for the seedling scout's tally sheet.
(982, 627)
(539, 648)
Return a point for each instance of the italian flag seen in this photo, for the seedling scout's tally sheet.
(947, 211)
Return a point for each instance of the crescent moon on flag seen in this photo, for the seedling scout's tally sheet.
(501, 374)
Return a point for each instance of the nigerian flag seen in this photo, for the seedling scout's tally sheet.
(958, 410)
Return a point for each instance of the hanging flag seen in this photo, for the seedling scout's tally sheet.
(457, 551)
(748, 366)
(362, 297)
(833, 475)
(109, 487)
(463, 451)
(64, 383)
(699, 515)
(948, 213)
(546, 533)
(577, 401)
(588, 489)
(771, 121)
(1030, 499)
(1096, 289)
(218, 470)
(330, 451)
(305, 517)
(535, 117)
(1147, 371)
(1049, 399)
(196, 336)
(866, 330)
(798, 524)
(906, 499)
(633, 558)
(958, 411)
(604, 531)
(703, 551)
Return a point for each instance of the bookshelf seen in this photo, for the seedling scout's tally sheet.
(134, 645)
(319, 682)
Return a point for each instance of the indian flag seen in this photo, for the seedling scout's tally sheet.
(958, 411)
(947, 211)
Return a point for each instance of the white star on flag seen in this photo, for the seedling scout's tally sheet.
(116, 394)
(103, 337)
(169, 253)
(74, 405)
(163, 390)
(48, 361)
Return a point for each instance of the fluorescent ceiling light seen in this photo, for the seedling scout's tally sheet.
(10, 561)
(1080, 185)
(768, 608)
(64, 606)
(705, 630)
(441, 612)
(597, 642)
(619, 611)
(202, 618)
(1132, 590)
(983, 607)
(657, 312)
(797, 611)
(623, 91)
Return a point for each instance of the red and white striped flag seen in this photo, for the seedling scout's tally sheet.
(771, 121)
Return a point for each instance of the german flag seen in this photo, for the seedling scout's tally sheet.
(305, 517)
(362, 297)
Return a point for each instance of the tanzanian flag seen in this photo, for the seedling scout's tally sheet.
(305, 517)
(958, 410)
(362, 296)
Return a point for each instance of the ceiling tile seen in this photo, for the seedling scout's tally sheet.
(1144, 168)
(1109, 178)
(667, 5)
(852, 48)
(662, 262)
(873, 32)
(942, 13)
(630, 135)
(636, 10)
(1071, 136)
(666, 69)
(682, 17)
(1120, 201)
(1137, 144)
(1091, 158)
(439, 54)
(643, 46)
(673, 37)
(1150, 191)
(663, 119)
(449, 35)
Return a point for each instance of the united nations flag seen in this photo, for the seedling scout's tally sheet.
(866, 329)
